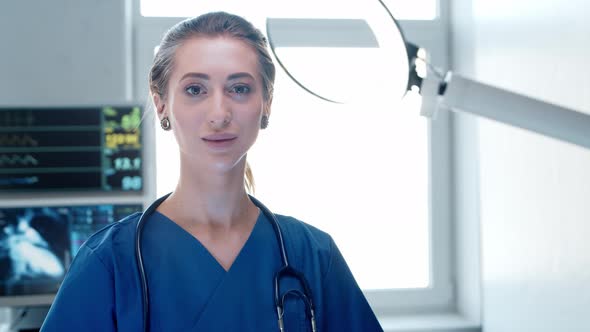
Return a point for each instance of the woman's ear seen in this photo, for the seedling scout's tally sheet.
(266, 108)
(160, 106)
(265, 114)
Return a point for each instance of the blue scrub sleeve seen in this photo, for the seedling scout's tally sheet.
(85, 300)
(345, 306)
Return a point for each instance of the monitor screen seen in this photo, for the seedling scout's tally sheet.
(37, 244)
(50, 149)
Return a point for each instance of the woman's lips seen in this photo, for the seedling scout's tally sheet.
(219, 137)
(219, 143)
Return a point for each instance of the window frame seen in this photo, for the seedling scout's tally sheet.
(433, 35)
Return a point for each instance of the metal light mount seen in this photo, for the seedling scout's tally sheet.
(324, 42)
(414, 78)
(457, 93)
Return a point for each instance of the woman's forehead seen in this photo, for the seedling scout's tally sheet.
(216, 55)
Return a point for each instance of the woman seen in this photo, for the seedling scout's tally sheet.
(210, 256)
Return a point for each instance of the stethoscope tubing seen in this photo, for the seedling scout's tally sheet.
(286, 268)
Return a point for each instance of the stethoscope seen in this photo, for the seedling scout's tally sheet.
(285, 270)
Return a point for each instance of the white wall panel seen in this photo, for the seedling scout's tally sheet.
(534, 190)
(64, 52)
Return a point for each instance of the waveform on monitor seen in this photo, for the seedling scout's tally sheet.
(16, 118)
(19, 181)
(17, 160)
(18, 140)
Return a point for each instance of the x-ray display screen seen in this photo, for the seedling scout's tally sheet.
(37, 244)
(49, 149)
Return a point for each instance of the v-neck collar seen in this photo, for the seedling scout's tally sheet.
(199, 246)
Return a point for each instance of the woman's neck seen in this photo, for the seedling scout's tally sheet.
(204, 199)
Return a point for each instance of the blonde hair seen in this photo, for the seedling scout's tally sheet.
(213, 24)
(249, 179)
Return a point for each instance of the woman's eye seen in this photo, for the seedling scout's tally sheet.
(194, 90)
(241, 89)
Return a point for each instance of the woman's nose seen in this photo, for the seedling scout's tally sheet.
(220, 113)
(219, 123)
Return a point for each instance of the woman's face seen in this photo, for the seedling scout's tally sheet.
(214, 101)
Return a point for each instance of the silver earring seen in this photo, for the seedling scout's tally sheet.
(165, 123)
(264, 122)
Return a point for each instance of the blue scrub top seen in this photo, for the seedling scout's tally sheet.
(190, 291)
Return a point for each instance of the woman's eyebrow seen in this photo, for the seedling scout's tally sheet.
(195, 75)
(239, 75)
(229, 77)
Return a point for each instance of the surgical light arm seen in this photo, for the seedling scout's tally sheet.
(461, 94)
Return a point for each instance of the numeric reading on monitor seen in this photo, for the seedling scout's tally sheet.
(70, 149)
(123, 148)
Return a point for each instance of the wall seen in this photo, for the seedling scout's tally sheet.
(465, 174)
(533, 191)
(65, 51)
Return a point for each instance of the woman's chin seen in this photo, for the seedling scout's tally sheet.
(214, 164)
(224, 166)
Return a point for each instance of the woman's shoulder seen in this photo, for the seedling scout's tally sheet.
(100, 274)
(305, 239)
(298, 228)
(116, 237)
